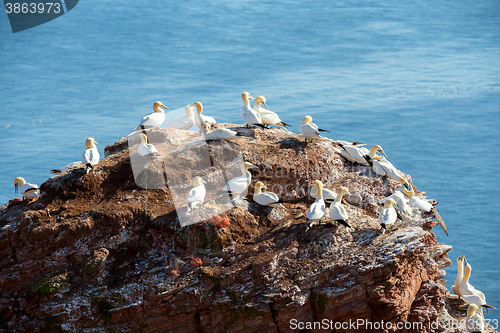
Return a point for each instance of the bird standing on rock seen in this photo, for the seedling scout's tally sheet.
(388, 215)
(310, 130)
(145, 148)
(460, 275)
(90, 156)
(250, 116)
(28, 191)
(183, 123)
(471, 295)
(268, 117)
(153, 120)
(196, 195)
(265, 198)
(199, 118)
(317, 210)
(337, 211)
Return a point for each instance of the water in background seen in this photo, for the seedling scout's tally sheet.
(421, 79)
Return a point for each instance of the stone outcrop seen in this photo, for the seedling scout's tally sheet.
(98, 253)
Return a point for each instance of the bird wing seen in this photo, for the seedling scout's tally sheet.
(316, 211)
(238, 184)
(420, 204)
(90, 156)
(377, 168)
(266, 198)
(27, 187)
(154, 119)
(250, 116)
(355, 152)
(146, 149)
(182, 123)
(388, 216)
(336, 211)
(197, 194)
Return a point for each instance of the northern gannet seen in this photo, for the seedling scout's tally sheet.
(183, 123)
(356, 153)
(328, 195)
(68, 167)
(460, 274)
(196, 195)
(200, 118)
(239, 184)
(29, 191)
(90, 156)
(310, 130)
(474, 322)
(268, 117)
(382, 167)
(337, 211)
(471, 295)
(388, 214)
(250, 116)
(145, 148)
(402, 205)
(218, 133)
(265, 198)
(317, 210)
(154, 119)
(420, 204)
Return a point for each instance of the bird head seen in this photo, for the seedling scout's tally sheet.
(90, 143)
(261, 100)
(306, 120)
(245, 97)
(19, 181)
(389, 203)
(197, 181)
(159, 107)
(199, 107)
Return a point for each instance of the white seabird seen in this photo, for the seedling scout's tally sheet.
(196, 195)
(474, 322)
(250, 116)
(356, 153)
(145, 148)
(28, 191)
(420, 204)
(183, 123)
(328, 195)
(154, 119)
(402, 204)
(90, 156)
(317, 210)
(68, 167)
(382, 167)
(268, 117)
(200, 118)
(471, 295)
(460, 275)
(337, 211)
(265, 198)
(218, 133)
(239, 184)
(388, 214)
(310, 130)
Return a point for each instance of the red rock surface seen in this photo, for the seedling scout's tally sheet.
(98, 253)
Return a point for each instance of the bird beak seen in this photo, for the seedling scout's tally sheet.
(96, 142)
(204, 182)
(252, 167)
(382, 152)
(17, 187)
(163, 106)
(265, 105)
(250, 97)
(264, 187)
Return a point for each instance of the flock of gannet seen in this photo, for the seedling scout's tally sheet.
(474, 298)
(400, 203)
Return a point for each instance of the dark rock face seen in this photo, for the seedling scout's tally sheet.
(99, 253)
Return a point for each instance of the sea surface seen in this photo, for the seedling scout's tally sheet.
(419, 78)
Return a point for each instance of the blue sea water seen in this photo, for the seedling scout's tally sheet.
(421, 78)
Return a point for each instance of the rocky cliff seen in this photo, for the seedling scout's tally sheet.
(98, 253)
